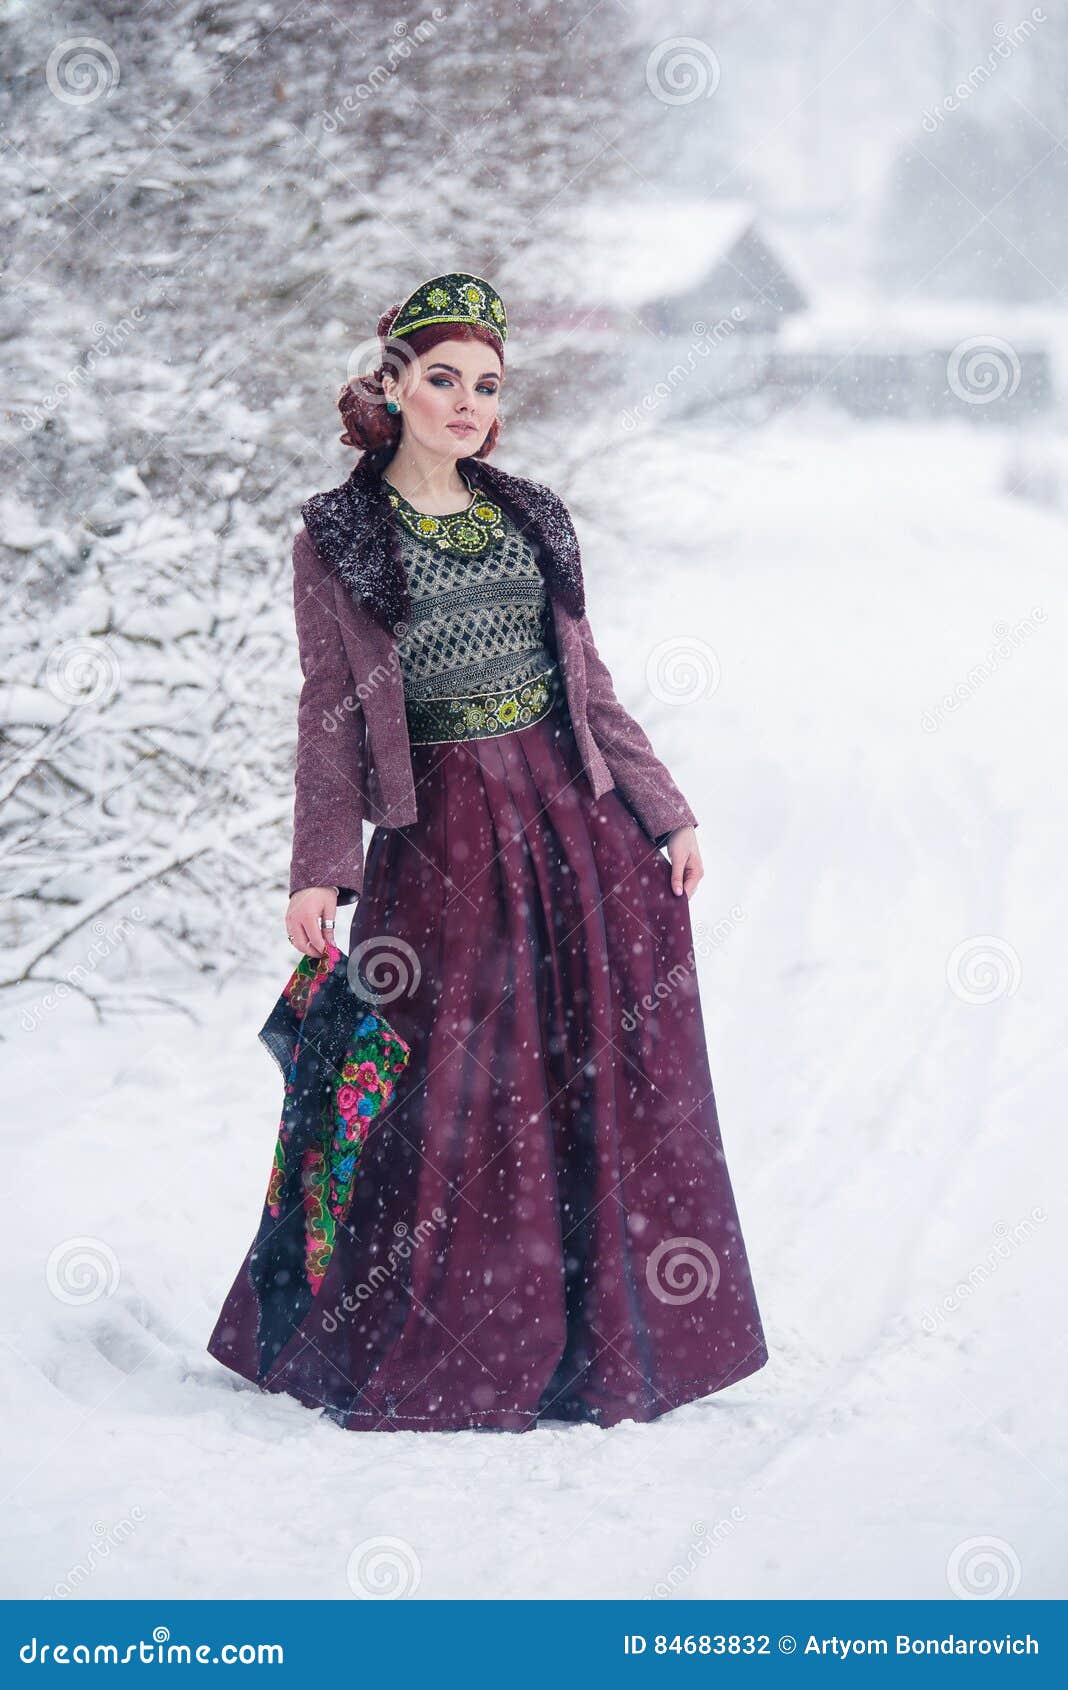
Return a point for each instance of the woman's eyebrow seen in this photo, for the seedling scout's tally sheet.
(489, 375)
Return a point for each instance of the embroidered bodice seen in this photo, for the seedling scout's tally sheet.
(480, 608)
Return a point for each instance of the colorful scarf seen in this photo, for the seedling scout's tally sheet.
(338, 1057)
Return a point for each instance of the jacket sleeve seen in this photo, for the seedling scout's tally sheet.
(642, 779)
(329, 802)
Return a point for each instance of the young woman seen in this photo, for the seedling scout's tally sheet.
(542, 1225)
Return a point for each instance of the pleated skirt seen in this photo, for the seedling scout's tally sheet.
(543, 1226)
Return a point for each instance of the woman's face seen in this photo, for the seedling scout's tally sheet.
(449, 396)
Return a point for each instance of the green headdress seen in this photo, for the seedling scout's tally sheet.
(454, 298)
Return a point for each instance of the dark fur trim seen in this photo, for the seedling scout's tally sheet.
(354, 533)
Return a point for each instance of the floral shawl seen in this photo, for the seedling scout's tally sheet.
(339, 1058)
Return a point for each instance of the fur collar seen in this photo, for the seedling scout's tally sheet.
(354, 533)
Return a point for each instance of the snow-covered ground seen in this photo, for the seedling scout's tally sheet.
(885, 1024)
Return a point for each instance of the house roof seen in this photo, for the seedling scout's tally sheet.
(630, 252)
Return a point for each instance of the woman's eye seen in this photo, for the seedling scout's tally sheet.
(446, 381)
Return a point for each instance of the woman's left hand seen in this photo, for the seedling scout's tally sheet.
(686, 866)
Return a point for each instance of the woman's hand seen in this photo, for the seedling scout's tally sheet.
(306, 910)
(686, 866)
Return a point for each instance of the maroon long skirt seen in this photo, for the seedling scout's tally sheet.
(543, 1225)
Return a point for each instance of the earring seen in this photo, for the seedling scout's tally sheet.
(392, 407)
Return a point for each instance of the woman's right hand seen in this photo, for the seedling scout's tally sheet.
(307, 910)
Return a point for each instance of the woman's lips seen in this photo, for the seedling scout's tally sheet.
(461, 428)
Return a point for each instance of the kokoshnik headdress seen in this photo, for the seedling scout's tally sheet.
(453, 298)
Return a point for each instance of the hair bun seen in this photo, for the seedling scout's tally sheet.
(363, 408)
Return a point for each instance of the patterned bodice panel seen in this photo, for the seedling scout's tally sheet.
(480, 607)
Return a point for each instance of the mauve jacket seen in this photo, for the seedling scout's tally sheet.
(351, 601)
